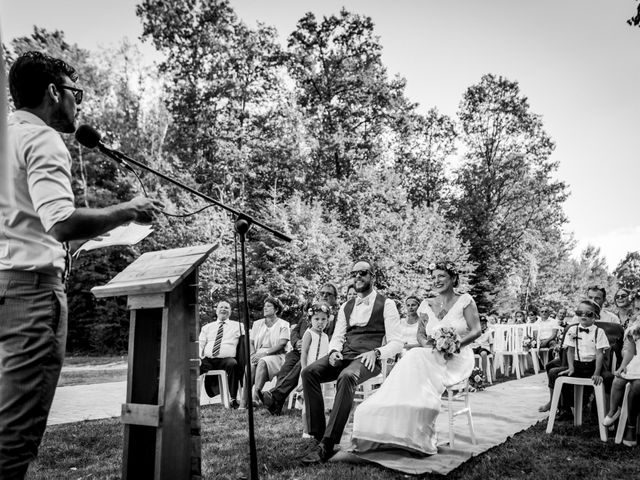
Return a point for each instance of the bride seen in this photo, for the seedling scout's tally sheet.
(403, 412)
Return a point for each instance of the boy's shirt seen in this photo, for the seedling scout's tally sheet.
(588, 344)
(484, 340)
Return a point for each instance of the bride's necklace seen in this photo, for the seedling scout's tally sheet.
(443, 310)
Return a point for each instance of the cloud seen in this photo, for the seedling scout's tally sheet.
(614, 245)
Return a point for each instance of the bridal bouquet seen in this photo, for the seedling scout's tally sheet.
(529, 343)
(477, 380)
(446, 341)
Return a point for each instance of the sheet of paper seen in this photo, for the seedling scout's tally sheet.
(123, 235)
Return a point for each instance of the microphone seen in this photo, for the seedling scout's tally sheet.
(89, 137)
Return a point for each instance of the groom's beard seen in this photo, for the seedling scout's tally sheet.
(366, 286)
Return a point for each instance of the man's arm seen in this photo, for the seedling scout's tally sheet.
(85, 223)
(392, 328)
(337, 340)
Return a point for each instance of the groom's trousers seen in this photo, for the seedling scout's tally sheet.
(349, 373)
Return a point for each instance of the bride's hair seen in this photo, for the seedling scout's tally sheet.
(448, 267)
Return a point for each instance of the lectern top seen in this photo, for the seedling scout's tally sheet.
(155, 272)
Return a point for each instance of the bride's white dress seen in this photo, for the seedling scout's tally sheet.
(402, 413)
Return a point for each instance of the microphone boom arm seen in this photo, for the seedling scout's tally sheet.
(123, 159)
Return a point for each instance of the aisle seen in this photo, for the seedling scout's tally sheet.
(498, 412)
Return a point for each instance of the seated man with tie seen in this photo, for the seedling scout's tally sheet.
(218, 343)
(355, 351)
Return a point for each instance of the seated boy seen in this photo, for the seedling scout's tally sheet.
(585, 343)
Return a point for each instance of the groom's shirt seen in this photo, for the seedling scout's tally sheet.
(360, 317)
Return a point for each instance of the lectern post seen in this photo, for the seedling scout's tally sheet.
(162, 413)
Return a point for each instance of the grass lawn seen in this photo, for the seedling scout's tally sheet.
(92, 450)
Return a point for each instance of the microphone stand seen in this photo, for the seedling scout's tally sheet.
(243, 223)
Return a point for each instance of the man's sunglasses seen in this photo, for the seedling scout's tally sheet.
(588, 314)
(78, 93)
(622, 295)
(359, 273)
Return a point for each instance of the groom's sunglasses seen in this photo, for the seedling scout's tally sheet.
(580, 313)
(359, 273)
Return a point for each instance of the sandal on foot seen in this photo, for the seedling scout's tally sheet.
(610, 420)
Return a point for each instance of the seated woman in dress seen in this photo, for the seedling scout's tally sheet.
(403, 412)
(409, 324)
(629, 371)
(269, 337)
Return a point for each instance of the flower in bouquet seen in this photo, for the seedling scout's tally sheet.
(477, 380)
(527, 343)
(446, 341)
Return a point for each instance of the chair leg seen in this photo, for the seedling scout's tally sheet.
(472, 431)
(557, 389)
(293, 396)
(599, 394)
(578, 391)
(224, 390)
(516, 363)
(450, 405)
(534, 361)
(622, 420)
(490, 366)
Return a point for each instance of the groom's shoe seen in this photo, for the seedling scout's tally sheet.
(320, 454)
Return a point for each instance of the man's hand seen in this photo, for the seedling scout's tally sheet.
(568, 372)
(298, 345)
(620, 371)
(334, 358)
(145, 209)
(597, 379)
(368, 359)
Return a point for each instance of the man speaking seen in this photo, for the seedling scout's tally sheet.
(37, 220)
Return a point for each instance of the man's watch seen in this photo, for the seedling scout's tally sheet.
(377, 352)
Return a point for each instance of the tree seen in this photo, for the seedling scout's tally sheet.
(401, 239)
(505, 187)
(295, 271)
(424, 144)
(634, 21)
(627, 272)
(233, 122)
(346, 96)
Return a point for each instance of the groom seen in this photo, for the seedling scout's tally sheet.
(354, 356)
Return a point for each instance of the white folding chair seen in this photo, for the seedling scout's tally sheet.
(578, 389)
(459, 391)
(223, 383)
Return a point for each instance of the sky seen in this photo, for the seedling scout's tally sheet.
(576, 61)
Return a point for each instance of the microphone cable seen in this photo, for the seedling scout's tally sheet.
(146, 194)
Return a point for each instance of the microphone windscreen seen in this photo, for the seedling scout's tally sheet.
(87, 136)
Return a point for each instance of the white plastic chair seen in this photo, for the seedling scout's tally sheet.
(507, 342)
(624, 413)
(578, 389)
(459, 391)
(223, 383)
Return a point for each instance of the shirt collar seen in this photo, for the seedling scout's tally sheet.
(368, 299)
(22, 116)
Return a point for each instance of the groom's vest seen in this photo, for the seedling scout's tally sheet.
(364, 339)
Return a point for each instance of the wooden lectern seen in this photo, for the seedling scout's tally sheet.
(162, 413)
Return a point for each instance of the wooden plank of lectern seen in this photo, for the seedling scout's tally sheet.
(162, 299)
(155, 272)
